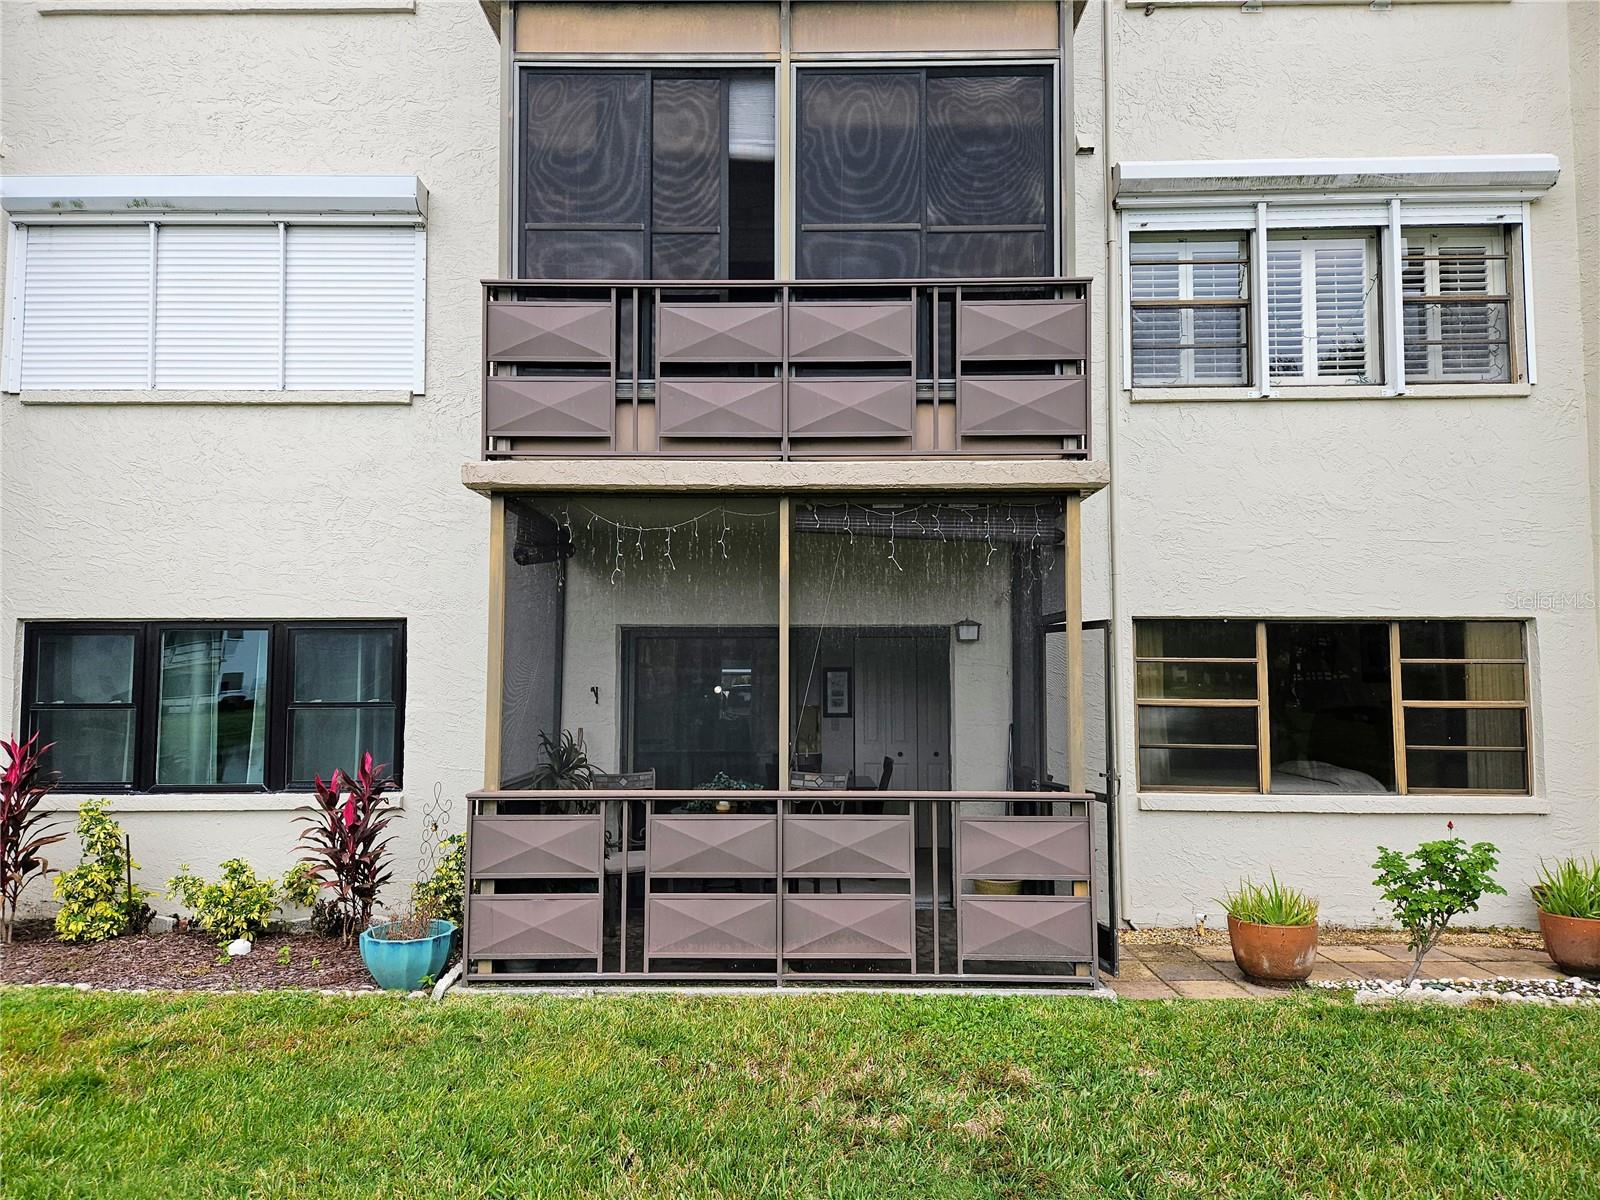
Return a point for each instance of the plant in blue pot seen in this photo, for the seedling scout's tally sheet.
(408, 952)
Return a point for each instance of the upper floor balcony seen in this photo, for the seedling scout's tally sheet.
(853, 261)
(746, 369)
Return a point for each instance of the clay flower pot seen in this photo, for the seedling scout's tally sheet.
(1574, 942)
(1274, 953)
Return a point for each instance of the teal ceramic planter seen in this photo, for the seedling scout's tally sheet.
(401, 966)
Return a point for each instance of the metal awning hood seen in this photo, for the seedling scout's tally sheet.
(1141, 184)
(402, 196)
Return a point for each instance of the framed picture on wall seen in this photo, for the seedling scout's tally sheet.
(836, 692)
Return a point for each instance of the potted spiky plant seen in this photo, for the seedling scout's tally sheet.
(1273, 931)
(1568, 896)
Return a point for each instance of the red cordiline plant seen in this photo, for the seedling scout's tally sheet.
(344, 845)
(24, 831)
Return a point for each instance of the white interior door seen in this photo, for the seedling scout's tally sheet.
(886, 709)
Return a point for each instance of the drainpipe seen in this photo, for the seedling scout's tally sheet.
(1113, 258)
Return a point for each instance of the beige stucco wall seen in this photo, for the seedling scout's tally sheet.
(244, 510)
(1448, 507)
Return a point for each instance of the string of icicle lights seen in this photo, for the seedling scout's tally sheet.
(631, 534)
(995, 525)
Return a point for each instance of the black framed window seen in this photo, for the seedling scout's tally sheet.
(344, 700)
(214, 706)
(81, 689)
(943, 172)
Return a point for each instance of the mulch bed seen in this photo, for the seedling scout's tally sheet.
(185, 960)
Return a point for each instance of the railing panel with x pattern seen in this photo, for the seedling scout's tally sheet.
(807, 886)
(862, 369)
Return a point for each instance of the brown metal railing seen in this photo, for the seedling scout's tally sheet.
(762, 369)
(797, 887)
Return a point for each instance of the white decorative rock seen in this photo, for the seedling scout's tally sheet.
(239, 948)
(161, 925)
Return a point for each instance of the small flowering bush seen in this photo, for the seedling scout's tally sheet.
(98, 896)
(300, 886)
(238, 905)
(440, 895)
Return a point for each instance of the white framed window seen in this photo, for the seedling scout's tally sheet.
(1189, 303)
(1322, 308)
(1361, 276)
(302, 304)
(1456, 287)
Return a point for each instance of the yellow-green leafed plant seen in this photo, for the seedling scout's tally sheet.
(238, 905)
(1571, 888)
(1270, 903)
(98, 897)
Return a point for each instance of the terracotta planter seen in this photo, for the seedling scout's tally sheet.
(1574, 942)
(997, 887)
(1274, 953)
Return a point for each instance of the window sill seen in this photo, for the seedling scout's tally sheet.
(190, 802)
(156, 396)
(1419, 391)
(1384, 805)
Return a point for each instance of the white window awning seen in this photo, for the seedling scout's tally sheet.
(1232, 181)
(146, 197)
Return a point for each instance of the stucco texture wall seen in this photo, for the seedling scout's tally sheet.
(160, 511)
(1441, 507)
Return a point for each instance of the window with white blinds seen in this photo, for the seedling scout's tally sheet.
(178, 306)
(1189, 303)
(1322, 309)
(1457, 306)
(1288, 298)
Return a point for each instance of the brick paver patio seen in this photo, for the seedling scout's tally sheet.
(1207, 971)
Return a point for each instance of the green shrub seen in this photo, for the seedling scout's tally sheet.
(1270, 903)
(1435, 882)
(238, 905)
(1570, 889)
(301, 884)
(440, 895)
(98, 897)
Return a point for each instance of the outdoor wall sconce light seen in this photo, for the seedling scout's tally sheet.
(968, 631)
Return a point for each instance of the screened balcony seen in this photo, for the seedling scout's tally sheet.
(786, 738)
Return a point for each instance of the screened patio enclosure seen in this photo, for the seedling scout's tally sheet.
(784, 737)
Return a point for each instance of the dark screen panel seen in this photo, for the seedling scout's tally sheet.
(867, 255)
(988, 147)
(687, 154)
(686, 256)
(583, 254)
(976, 255)
(585, 143)
(860, 148)
(944, 156)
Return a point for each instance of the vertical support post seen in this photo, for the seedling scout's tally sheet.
(1397, 710)
(785, 524)
(494, 689)
(1067, 142)
(1072, 618)
(1263, 714)
(508, 141)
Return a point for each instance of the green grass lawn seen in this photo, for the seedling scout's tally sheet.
(764, 1096)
